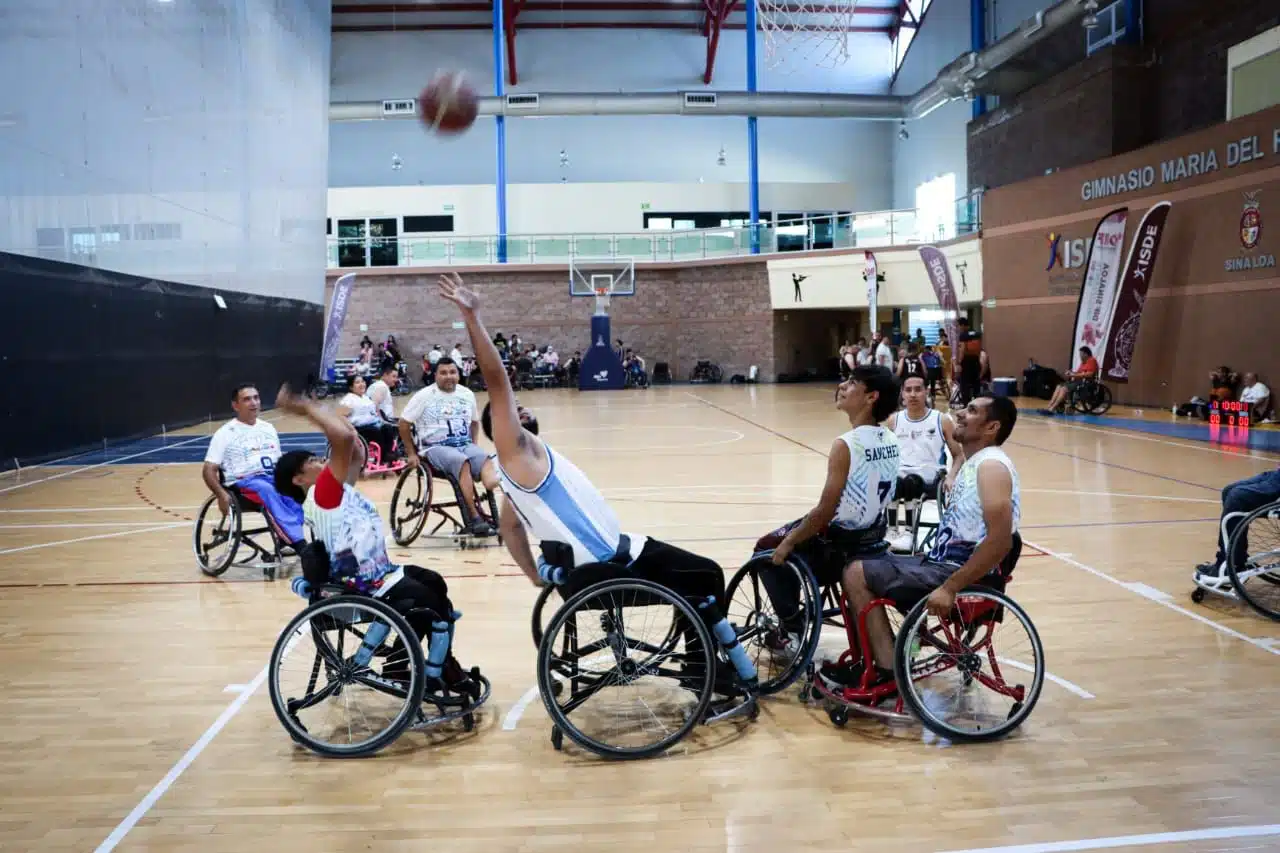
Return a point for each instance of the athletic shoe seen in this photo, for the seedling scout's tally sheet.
(1211, 571)
(838, 677)
(479, 527)
(782, 644)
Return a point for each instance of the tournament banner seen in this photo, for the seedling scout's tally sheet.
(1101, 279)
(940, 275)
(333, 329)
(870, 274)
(1122, 334)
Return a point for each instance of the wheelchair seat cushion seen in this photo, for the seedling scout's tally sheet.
(828, 553)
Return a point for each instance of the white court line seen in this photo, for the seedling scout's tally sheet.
(67, 509)
(1163, 601)
(98, 536)
(76, 524)
(1061, 682)
(117, 461)
(1113, 841)
(517, 710)
(153, 796)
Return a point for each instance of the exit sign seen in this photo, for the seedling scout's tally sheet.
(644, 205)
(448, 208)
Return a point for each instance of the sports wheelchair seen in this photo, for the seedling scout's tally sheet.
(1252, 567)
(1090, 397)
(217, 538)
(350, 635)
(936, 493)
(616, 630)
(377, 462)
(927, 651)
(414, 500)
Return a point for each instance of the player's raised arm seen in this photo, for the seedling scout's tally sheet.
(508, 436)
(338, 430)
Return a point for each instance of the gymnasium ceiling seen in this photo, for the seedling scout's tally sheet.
(707, 17)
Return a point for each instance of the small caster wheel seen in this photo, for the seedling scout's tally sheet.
(754, 712)
(557, 687)
(1197, 595)
(838, 717)
(557, 738)
(468, 722)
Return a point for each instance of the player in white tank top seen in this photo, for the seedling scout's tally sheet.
(927, 438)
(977, 535)
(547, 496)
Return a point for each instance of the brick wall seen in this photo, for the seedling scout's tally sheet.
(719, 312)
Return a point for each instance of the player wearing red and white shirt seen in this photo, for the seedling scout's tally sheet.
(1086, 372)
(348, 525)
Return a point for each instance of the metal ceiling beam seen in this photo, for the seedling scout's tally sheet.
(510, 10)
(717, 12)
(574, 25)
(586, 6)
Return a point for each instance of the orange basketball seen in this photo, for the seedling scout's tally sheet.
(448, 104)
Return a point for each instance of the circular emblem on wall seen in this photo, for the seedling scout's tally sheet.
(1250, 222)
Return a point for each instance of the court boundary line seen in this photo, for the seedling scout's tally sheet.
(167, 526)
(1184, 443)
(1142, 590)
(1142, 840)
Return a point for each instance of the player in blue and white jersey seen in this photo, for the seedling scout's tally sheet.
(975, 535)
(548, 497)
(849, 518)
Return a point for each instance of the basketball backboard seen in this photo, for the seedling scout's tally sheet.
(602, 278)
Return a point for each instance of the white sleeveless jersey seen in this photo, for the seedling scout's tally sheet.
(873, 475)
(963, 526)
(566, 507)
(924, 450)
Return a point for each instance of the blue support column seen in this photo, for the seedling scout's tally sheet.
(1133, 22)
(977, 41)
(500, 131)
(753, 139)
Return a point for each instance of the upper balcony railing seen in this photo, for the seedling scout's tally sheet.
(834, 231)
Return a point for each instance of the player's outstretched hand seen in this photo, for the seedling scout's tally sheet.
(290, 402)
(451, 288)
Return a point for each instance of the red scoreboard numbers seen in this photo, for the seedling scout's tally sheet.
(1229, 413)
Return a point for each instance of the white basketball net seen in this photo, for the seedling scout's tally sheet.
(810, 32)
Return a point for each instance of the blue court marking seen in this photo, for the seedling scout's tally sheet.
(1247, 439)
(170, 450)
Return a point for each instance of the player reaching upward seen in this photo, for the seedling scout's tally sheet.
(547, 496)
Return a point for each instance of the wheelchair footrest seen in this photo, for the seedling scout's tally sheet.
(452, 707)
(727, 709)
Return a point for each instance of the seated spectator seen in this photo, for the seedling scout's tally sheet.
(456, 354)
(362, 413)
(1224, 383)
(1258, 396)
(574, 366)
(1242, 496)
(932, 369)
(635, 371)
(1087, 371)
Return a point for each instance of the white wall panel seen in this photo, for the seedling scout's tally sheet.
(209, 119)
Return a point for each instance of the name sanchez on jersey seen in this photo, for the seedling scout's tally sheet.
(875, 454)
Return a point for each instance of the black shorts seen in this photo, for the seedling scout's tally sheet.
(905, 579)
(421, 596)
(684, 573)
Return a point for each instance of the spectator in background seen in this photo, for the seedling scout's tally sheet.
(883, 355)
(1086, 372)
(574, 366)
(919, 338)
(1258, 396)
(456, 354)
(501, 343)
(969, 351)
(513, 347)
(1224, 383)
(863, 355)
(427, 370)
(392, 349)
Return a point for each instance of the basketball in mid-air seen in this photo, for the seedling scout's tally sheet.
(448, 104)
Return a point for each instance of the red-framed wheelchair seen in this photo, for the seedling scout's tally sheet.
(948, 674)
(218, 537)
(378, 461)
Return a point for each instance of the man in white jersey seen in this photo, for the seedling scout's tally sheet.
(380, 394)
(447, 423)
(349, 527)
(925, 436)
(862, 468)
(975, 537)
(243, 454)
(547, 496)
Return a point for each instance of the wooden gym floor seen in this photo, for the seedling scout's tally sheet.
(135, 719)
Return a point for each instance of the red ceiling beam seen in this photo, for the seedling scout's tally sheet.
(552, 6)
(716, 13)
(510, 11)
(567, 25)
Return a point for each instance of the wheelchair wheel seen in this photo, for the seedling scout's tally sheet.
(626, 692)
(1256, 575)
(750, 610)
(925, 544)
(410, 504)
(538, 619)
(949, 671)
(330, 640)
(1093, 400)
(216, 537)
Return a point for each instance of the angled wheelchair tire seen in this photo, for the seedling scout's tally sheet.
(565, 687)
(210, 532)
(749, 610)
(1094, 401)
(1256, 579)
(315, 622)
(538, 618)
(411, 504)
(921, 654)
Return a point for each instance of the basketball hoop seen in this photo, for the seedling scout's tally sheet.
(811, 32)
